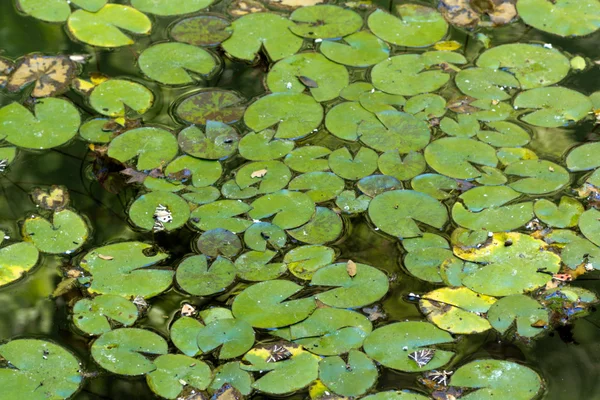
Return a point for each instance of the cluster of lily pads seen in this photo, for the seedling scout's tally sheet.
(367, 114)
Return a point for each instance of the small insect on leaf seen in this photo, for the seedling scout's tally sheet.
(306, 81)
(351, 268)
(422, 357)
(258, 174)
(103, 257)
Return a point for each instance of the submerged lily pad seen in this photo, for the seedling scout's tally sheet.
(167, 7)
(66, 232)
(219, 141)
(211, 105)
(174, 372)
(16, 260)
(417, 25)
(201, 30)
(94, 316)
(561, 17)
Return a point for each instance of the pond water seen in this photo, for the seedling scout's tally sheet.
(566, 357)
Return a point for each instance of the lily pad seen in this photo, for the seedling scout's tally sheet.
(268, 176)
(184, 332)
(263, 234)
(143, 210)
(539, 176)
(417, 25)
(218, 242)
(324, 227)
(486, 83)
(104, 27)
(174, 372)
(561, 17)
(325, 21)
(439, 187)
(529, 316)
(201, 30)
(319, 186)
(391, 345)
(553, 107)
(233, 337)
(94, 316)
(349, 203)
(53, 123)
(344, 119)
(167, 7)
(584, 157)
(353, 168)
(396, 395)
(113, 96)
(565, 215)
(232, 374)
(221, 214)
(256, 266)
(395, 130)
(196, 277)
(56, 10)
(308, 159)
(261, 146)
(65, 234)
(176, 63)
(125, 351)
(211, 105)
(454, 157)
(219, 141)
(153, 147)
(426, 255)
(589, 223)
(50, 75)
(504, 134)
(16, 260)
(304, 261)
(361, 49)
(351, 378)
(93, 131)
(426, 106)
(290, 209)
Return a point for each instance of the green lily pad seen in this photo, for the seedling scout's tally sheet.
(211, 105)
(94, 316)
(509, 155)
(496, 379)
(174, 372)
(266, 31)
(393, 395)
(584, 157)
(439, 187)
(417, 25)
(327, 78)
(262, 234)
(553, 107)
(103, 28)
(113, 96)
(219, 141)
(504, 134)
(308, 159)
(565, 215)
(367, 286)
(391, 163)
(361, 49)
(539, 176)
(589, 224)
(125, 351)
(457, 310)
(221, 214)
(231, 373)
(486, 83)
(38, 370)
(233, 337)
(324, 227)
(426, 255)
(125, 269)
(329, 331)
(290, 209)
(176, 63)
(261, 146)
(256, 266)
(352, 378)
(319, 186)
(201, 30)
(353, 168)
(426, 106)
(349, 203)
(374, 185)
(491, 177)
(219, 242)
(294, 114)
(184, 332)
(53, 123)
(395, 130)
(167, 7)
(522, 266)
(344, 119)
(465, 126)
(268, 176)
(561, 17)
(196, 277)
(153, 147)
(263, 305)
(93, 131)
(376, 101)
(203, 172)
(16, 260)
(454, 157)
(492, 110)
(325, 21)
(534, 66)
(304, 261)
(143, 211)
(391, 345)
(66, 233)
(576, 250)
(528, 315)
(56, 10)
(395, 212)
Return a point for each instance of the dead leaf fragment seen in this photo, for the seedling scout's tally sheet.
(258, 174)
(6, 67)
(351, 268)
(188, 310)
(52, 74)
(306, 81)
(103, 257)
(459, 12)
(56, 198)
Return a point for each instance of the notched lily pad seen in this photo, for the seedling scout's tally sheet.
(553, 107)
(351, 378)
(561, 17)
(529, 316)
(97, 316)
(218, 141)
(416, 26)
(152, 147)
(64, 234)
(325, 21)
(115, 96)
(167, 7)
(174, 372)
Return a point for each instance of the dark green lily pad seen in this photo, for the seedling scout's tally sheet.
(324, 227)
(553, 107)
(289, 209)
(201, 30)
(114, 96)
(417, 25)
(454, 157)
(94, 316)
(64, 234)
(167, 7)
(392, 344)
(125, 351)
(361, 49)
(255, 266)
(325, 21)
(584, 157)
(221, 214)
(219, 141)
(539, 176)
(528, 315)
(261, 146)
(589, 223)
(374, 185)
(561, 17)
(304, 261)
(38, 370)
(103, 28)
(211, 105)
(232, 374)
(93, 131)
(263, 305)
(196, 277)
(232, 337)
(351, 378)
(219, 242)
(174, 372)
(263, 234)
(16, 260)
(125, 269)
(395, 130)
(565, 215)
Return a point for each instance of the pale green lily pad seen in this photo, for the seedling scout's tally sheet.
(289, 209)
(294, 114)
(454, 157)
(350, 167)
(263, 305)
(391, 163)
(504, 134)
(492, 110)
(176, 63)
(392, 344)
(344, 119)
(184, 332)
(53, 123)
(426, 255)
(231, 373)
(232, 337)
(565, 215)
(262, 234)
(528, 315)
(376, 101)
(199, 108)
(219, 242)
(418, 26)
(93, 131)
(125, 351)
(196, 277)
(497, 379)
(576, 250)
(374, 185)
(174, 372)
(231, 190)
(221, 214)
(113, 96)
(308, 159)
(533, 65)
(509, 155)
(64, 234)
(104, 27)
(167, 7)
(395, 212)
(53, 10)
(325, 21)
(268, 176)
(491, 177)
(38, 370)
(217, 142)
(201, 30)
(126, 269)
(561, 17)
(584, 157)
(203, 173)
(589, 223)
(261, 146)
(329, 331)
(464, 126)
(522, 266)
(486, 83)
(153, 147)
(367, 286)
(457, 310)
(327, 78)
(395, 130)
(324, 227)
(351, 378)
(257, 31)
(406, 75)
(426, 106)
(553, 107)
(16, 260)
(439, 187)
(255, 266)
(349, 203)
(94, 316)
(361, 49)
(539, 176)
(353, 91)
(143, 210)
(319, 186)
